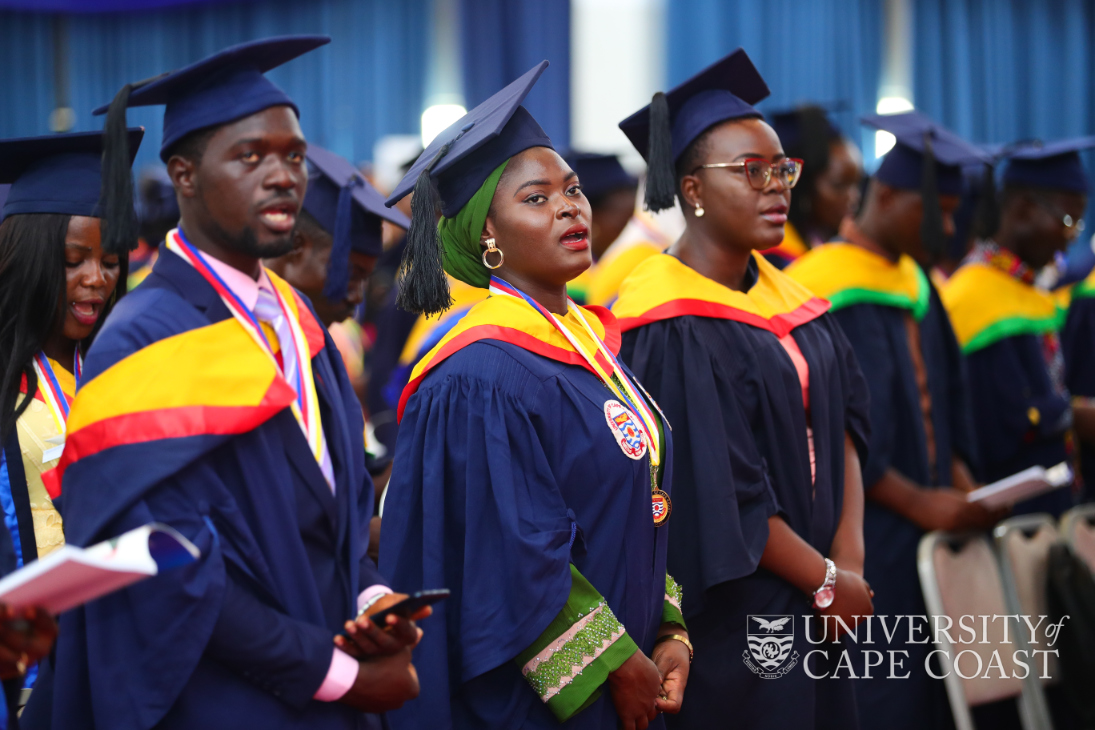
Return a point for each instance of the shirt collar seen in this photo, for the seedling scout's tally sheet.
(242, 285)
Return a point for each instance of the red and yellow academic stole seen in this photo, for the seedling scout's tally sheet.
(306, 406)
(631, 421)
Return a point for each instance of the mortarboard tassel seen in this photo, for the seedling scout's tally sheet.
(931, 222)
(119, 219)
(338, 266)
(661, 175)
(988, 207)
(423, 287)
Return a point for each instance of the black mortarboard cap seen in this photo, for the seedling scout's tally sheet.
(222, 88)
(662, 130)
(928, 158)
(350, 209)
(903, 166)
(1049, 165)
(803, 125)
(599, 174)
(57, 173)
(458, 161)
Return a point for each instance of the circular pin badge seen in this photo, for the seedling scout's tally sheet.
(627, 432)
(662, 505)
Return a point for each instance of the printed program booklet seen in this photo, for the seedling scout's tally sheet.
(1022, 485)
(72, 576)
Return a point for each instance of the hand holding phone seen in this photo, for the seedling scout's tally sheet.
(387, 627)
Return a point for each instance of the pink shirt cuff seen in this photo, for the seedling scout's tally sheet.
(370, 594)
(340, 677)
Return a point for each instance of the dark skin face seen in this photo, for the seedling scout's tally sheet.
(836, 193)
(305, 267)
(610, 216)
(1031, 224)
(90, 278)
(540, 219)
(240, 203)
(737, 219)
(891, 218)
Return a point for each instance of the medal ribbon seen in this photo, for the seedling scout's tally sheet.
(51, 391)
(306, 407)
(628, 394)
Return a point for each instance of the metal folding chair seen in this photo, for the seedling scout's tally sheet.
(1078, 530)
(960, 576)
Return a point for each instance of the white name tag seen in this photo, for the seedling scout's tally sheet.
(52, 454)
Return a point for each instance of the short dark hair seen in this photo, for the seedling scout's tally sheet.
(192, 146)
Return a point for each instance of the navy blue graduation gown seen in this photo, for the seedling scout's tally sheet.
(1009, 378)
(733, 397)
(244, 636)
(1078, 343)
(505, 473)
(898, 441)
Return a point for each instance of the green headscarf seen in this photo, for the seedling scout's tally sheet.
(461, 253)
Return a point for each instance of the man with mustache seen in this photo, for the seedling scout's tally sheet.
(217, 404)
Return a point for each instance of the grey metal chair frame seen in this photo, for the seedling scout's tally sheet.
(1033, 690)
(1030, 718)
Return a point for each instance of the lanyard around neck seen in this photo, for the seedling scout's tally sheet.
(50, 388)
(306, 406)
(617, 381)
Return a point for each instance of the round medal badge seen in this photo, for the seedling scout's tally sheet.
(627, 432)
(663, 507)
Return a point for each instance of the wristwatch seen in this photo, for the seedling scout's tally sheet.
(823, 596)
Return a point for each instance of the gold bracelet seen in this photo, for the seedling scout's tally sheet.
(676, 637)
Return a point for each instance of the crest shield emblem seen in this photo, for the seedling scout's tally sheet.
(771, 640)
(627, 432)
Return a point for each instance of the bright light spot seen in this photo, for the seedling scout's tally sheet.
(884, 141)
(437, 118)
(893, 105)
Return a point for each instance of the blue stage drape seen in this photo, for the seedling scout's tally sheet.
(370, 81)
(501, 39)
(826, 51)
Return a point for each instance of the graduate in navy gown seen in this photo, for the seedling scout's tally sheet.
(921, 448)
(769, 412)
(215, 402)
(532, 475)
(1010, 328)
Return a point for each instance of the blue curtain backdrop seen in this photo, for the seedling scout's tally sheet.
(501, 39)
(824, 51)
(367, 83)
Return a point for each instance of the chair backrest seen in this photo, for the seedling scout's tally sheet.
(1023, 545)
(960, 576)
(1078, 530)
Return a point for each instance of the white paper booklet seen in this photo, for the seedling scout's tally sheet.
(71, 576)
(1022, 485)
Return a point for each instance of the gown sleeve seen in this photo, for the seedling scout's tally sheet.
(1013, 398)
(857, 396)
(570, 661)
(473, 506)
(869, 340)
(720, 483)
(1078, 342)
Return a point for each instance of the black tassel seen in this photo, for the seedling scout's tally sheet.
(423, 286)
(931, 222)
(661, 173)
(988, 207)
(119, 219)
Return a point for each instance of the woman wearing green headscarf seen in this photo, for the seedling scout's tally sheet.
(531, 472)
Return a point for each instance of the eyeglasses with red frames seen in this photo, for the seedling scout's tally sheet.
(759, 172)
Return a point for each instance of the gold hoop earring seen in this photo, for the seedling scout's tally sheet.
(700, 211)
(491, 248)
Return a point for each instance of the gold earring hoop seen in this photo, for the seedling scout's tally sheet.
(491, 248)
(700, 211)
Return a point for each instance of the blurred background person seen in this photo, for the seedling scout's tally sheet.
(828, 192)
